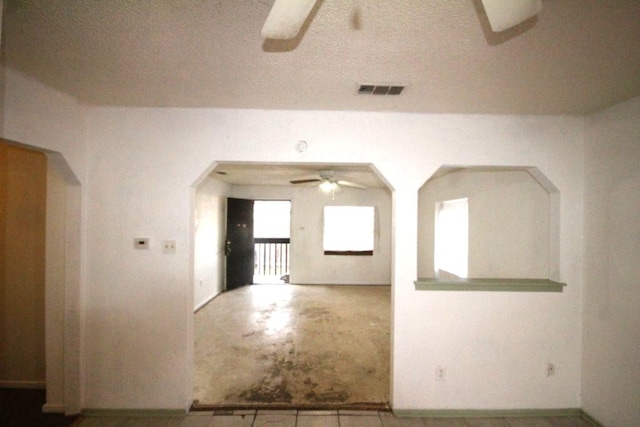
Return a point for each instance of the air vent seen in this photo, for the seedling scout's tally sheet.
(371, 89)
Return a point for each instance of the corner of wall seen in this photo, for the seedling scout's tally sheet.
(611, 271)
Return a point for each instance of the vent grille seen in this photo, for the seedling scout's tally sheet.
(372, 89)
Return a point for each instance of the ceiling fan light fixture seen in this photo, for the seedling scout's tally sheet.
(286, 18)
(504, 14)
(327, 186)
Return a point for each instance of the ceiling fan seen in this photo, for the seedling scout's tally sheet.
(287, 17)
(327, 182)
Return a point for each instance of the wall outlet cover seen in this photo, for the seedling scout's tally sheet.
(169, 246)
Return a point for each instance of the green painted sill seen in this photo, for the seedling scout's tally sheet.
(490, 285)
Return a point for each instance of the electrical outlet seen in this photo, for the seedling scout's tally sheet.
(441, 373)
(551, 369)
(169, 246)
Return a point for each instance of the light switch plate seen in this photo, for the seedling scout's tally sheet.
(141, 243)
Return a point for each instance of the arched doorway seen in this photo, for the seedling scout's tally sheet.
(269, 378)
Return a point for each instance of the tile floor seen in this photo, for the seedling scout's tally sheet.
(294, 418)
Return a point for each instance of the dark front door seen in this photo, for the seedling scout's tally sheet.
(239, 244)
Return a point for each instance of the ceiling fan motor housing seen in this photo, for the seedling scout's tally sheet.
(327, 174)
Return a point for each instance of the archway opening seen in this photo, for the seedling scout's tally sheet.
(296, 369)
(58, 282)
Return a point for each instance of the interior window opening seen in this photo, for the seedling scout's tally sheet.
(451, 246)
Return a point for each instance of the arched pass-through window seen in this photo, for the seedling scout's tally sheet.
(488, 228)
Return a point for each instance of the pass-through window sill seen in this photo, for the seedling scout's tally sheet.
(489, 285)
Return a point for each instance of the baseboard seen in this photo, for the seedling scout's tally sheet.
(592, 420)
(205, 302)
(39, 385)
(133, 413)
(340, 284)
(488, 413)
(491, 413)
(53, 408)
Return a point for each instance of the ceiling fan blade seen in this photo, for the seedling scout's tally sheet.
(286, 18)
(351, 184)
(504, 14)
(305, 181)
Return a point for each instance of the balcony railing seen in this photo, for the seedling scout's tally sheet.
(271, 257)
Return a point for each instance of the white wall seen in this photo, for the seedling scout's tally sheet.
(139, 303)
(508, 222)
(209, 235)
(611, 371)
(55, 283)
(44, 118)
(308, 263)
(141, 164)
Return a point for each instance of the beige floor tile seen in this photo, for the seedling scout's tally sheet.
(276, 412)
(529, 422)
(360, 421)
(317, 412)
(227, 412)
(357, 412)
(231, 421)
(486, 422)
(444, 422)
(196, 421)
(318, 421)
(569, 422)
(275, 420)
(389, 420)
(244, 412)
(153, 422)
(101, 422)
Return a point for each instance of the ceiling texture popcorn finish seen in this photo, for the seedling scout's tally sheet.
(280, 174)
(574, 57)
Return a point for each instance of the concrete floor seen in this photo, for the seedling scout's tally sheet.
(294, 346)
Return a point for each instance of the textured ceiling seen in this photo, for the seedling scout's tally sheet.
(576, 57)
(281, 174)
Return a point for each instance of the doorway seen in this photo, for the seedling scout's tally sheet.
(257, 245)
(55, 354)
(272, 239)
(277, 344)
(23, 202)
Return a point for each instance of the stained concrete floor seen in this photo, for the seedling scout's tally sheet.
(294, 346)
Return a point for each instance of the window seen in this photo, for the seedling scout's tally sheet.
(349, 230)
(271, 218)
(451, 250)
